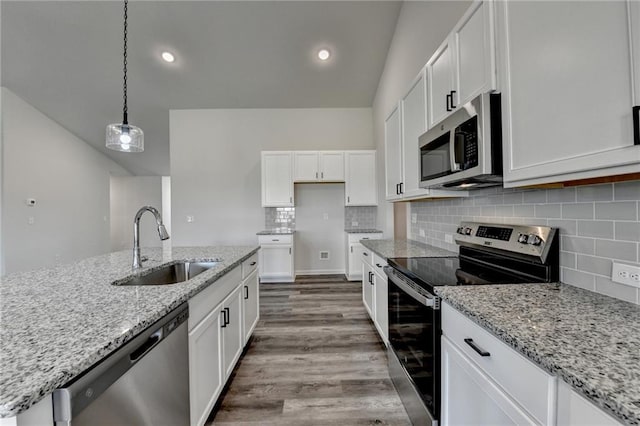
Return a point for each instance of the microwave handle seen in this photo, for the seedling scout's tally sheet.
(455, 166)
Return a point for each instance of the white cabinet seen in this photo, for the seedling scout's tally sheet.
(464, 65)
(232, 336)
(491, 370)
(277, 182)
(360, 178)
(322, 166)
(206, 377)
(276, 258)
(575, 410)
(353, 260)
(368, 294)
(381, 297)
(393, 155)
(567, 91)
(251, 304)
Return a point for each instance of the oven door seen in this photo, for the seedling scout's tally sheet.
(414, 338)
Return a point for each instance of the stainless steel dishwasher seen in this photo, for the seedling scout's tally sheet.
(146, 382)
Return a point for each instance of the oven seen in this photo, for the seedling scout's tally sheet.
(414, 353)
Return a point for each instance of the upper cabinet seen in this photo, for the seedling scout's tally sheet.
(393, 155)
(568, 91)
(464, 66)
(318, 166)
(360, 183)
(277, 182)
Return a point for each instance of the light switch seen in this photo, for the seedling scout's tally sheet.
(325, 216)
(31, 220)
(414, 217)
(190, 219)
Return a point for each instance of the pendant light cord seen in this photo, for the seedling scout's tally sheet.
(125, 109)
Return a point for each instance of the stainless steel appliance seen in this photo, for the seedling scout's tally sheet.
(146, 382)
(464, 151)
(489, 254)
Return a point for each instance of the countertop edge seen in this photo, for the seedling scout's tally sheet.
(16, 407)
(592, 394)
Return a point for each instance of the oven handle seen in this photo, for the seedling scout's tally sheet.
(429, 301)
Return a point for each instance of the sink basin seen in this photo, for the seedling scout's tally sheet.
(170, 274)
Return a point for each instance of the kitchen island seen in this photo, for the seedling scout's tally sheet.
(56, 323)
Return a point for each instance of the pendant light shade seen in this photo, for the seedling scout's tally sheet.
(124, 136)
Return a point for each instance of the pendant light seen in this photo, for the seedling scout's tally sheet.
(123, 136)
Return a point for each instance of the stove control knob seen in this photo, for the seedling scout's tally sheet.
(522, 238)
(460, 230)
(467, 231)
(534, 240)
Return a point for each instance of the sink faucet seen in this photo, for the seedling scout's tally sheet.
(162, 232)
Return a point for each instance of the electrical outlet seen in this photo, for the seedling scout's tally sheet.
(354, 223)
(31, 220)
(190, 219)
(325, 216)
(626, 274)
(448, 238)
(422, 234)
(414, 217)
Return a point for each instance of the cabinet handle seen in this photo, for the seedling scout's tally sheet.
(246, 292)
(316, 175)
(364, 253)
(322, 175)
(291, 199)
(275, 239)
(378, 265)
(348, 199)
(397, 189)
(401, 190)
(476, 348)
(224, 318)
(289, 250)
(448, 100)
(252, 264)
(228, 316)
(636, 125)
(351, 249)
(453, 92)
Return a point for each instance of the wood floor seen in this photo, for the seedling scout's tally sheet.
(315, 359)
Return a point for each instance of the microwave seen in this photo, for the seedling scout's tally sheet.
(464, 151)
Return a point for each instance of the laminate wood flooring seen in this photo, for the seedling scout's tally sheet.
(315, 359)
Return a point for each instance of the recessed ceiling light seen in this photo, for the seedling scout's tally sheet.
(323, 54)
(168, 57)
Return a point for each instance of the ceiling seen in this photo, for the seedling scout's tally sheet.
(65, 58)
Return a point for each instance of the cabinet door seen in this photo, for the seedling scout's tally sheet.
(360, 183)
(393, 155)
(380, 288)
(205, 366)
(475, 53)
(251, 304)
(575, 410)
(566, 91)
(232, 337)
(305, 166)
(469, 397)
(276, 261)
(354, 272)
(277, 182)
(368, 294)
(332, 166)
(414, 124)
(440, 75)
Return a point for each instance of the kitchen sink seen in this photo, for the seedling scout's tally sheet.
(169, 274)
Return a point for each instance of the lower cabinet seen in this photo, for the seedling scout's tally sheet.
(276, 258)
(368, 294)
(375, 291)
(221, 320)
(353, 258)
(575, 410)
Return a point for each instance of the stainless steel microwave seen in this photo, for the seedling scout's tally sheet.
(464, 151)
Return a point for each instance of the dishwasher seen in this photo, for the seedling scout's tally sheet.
(146, 382)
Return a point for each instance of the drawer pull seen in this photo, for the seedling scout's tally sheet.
(365, 253)
(252, 264)
(275, 239)
(378, 265)
(476, 348)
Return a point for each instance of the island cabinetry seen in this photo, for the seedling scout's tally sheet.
(250, 296)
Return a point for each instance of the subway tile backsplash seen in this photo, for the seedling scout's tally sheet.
(280, 217)
(365, 217)
(598, 224)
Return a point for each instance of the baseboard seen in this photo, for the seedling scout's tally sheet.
(321, 272)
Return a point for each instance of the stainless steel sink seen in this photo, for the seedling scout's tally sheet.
(169, 274)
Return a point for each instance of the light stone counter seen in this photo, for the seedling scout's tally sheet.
(56, 323)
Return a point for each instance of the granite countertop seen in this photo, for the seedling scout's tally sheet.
(362, 231)
(590, 340)
(56, 323)
(405, 248)
(277, 231)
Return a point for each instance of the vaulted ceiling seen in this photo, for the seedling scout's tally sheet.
(65, 58)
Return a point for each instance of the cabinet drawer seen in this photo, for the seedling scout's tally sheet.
(367, 255)
(530, 386)
(202, 303)
(355, 238)
(378, 263)
(274, 239)
(249, 265)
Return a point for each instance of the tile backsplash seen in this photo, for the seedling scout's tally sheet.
(597, 223)
(365, 217)
(279, 217)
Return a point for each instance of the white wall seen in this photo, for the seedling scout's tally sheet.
(314, 233)
(215, 163)
(68, 178)
(422, 26)
(128, 194)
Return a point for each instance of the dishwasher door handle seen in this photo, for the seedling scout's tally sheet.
(141, 350)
